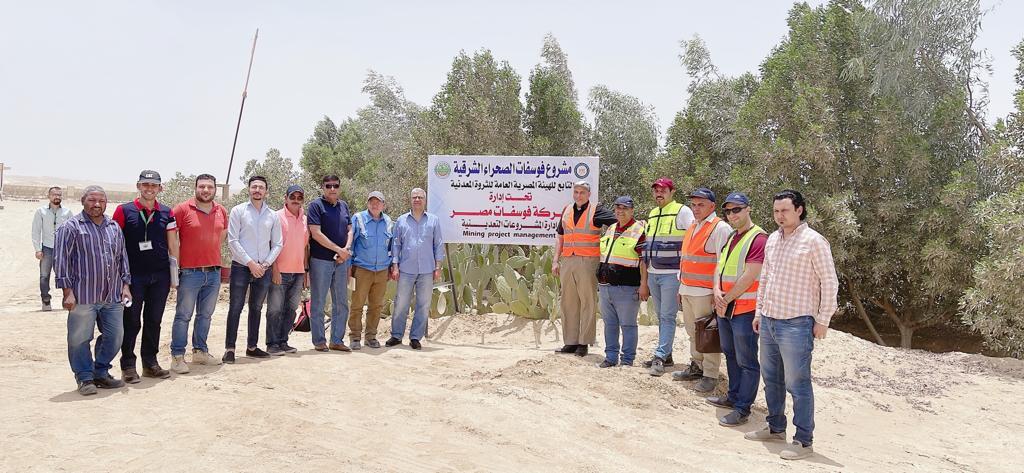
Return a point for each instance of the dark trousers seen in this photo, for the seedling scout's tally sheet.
(149, 297)
(283, 300)
(242, 282)
(45, 268)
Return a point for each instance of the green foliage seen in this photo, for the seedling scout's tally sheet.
(553, 121)
(506, 279)
(626, 136)
(178, 189)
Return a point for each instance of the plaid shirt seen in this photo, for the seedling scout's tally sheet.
(91, 260)
(798, 277)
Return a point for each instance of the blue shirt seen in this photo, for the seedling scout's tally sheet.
(254, 235)
(91, 260)
(333, 221)
(417, 245)
(372, 241)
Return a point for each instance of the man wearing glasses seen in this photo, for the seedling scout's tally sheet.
(330, 250)
(44, 225)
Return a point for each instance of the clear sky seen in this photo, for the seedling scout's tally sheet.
(101, 90)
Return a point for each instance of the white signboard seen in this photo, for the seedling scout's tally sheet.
(512, 200)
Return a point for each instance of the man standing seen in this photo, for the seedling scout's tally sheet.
(666, 226)
(254, 238)
(289, 273)
(372, 229)
(330, 252)
(701, 245)
(145, 224)
(201, 225)
(795, 303)
(92, 268)
(622, 284)
(578, 250)
(735, 292)
(418, 251)
(44, 224)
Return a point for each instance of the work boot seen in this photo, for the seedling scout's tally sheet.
(86, 388)
(657, 367)
(178, 364)
(706, 385)
(155, 371)
(130, 376)
(666, 362)
(356, 345)
(108, 383)
(691, 373)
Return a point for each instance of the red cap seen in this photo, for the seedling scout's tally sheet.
(664, 182)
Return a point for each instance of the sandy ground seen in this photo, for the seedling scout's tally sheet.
(485, 394)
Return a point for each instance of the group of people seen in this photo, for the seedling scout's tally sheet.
(116, 272)
(770, 293)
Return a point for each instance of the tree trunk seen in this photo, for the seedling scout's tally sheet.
(859, 304)
(906, 329)
(906, 335)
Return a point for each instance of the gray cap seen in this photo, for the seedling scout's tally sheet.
(294, 188)
(149, 177)
(375, 195)
(583, 184)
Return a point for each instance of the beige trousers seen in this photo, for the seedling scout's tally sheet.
(695, 307)
(579, 299)
(370, 288)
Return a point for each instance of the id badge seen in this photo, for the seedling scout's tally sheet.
(145, 245)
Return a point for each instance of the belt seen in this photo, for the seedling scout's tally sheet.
(203, 269)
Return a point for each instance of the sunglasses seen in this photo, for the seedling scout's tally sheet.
(734, 210)
(331, 186)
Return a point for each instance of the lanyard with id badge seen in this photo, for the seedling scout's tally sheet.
(145, 244)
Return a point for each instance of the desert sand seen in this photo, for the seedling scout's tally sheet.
(486, 394)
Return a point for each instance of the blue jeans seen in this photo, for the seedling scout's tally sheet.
(423, 284)
(45, 268)
(739, 345)
(283, 300)
(197, 291)
(619, 308)
(327, 275)
(81, 320)
(243, 282)
(665, 299)
(786, 347)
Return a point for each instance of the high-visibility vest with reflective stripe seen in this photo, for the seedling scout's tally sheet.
(621, 250)
(582, 240)
(732, 263)
(697, 266)
(664, 241)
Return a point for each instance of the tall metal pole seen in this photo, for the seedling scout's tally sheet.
(245, 90)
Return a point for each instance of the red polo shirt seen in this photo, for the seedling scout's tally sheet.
(200, 234)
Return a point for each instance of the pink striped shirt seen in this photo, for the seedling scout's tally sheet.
(798, 277)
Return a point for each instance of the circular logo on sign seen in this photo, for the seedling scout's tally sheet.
(442, 169)
(581, 171)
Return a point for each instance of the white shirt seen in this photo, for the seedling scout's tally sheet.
(254, 235)
(45, 223)
(719, 237)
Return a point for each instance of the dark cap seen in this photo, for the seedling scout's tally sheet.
(664, 182)
(625, 201)
(294, 188)
(703, 193)
(738, 198)
(149, 177)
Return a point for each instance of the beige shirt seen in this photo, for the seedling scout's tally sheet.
(798, 277)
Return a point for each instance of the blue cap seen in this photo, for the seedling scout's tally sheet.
(738, 198)
(294, 188)
(703, 193)
(625, 201)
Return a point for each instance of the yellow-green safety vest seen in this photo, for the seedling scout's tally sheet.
(621, 249)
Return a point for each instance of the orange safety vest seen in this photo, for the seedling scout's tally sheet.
(697, 267)
(583, 239)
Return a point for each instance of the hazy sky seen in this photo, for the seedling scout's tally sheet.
(101, 90)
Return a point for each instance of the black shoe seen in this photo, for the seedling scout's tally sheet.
(581, 350)
(666, 362)
(720, 401)
(155, 371)
(229, 357)
(86, 388)
(256, 353)
(393, 341)
(108, 383)
(606, 364)
(692, 373)
(288, 348)
(415, 344)
(567, 349)
(373, 344)
(130, 376)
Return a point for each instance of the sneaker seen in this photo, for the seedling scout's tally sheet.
(796, 451)
(657, 367)
(733, 419)
(205, 358)
(339, 347)
(706, 385)
(321, 348)
(256, 353)
(626, 363)
(566, 349)
(86, 388)
(178, 364)
(373, 343)
(667, 362)
(108, 383)
(415, 344)
(46, 307)
(288, 348)
(765, 435)
(130, 376)
(155, 371)
(606, 364)
(581, 350)
(356, 345)
(275, 350)
(228, 357)
(691, 373)
(393, 341)
(721, 401)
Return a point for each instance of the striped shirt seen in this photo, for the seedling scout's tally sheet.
(798, 277)
(91, 260)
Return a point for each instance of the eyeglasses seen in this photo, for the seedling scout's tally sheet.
(331, 186)
(734, 210)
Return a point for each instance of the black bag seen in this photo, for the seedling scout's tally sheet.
(706, 335)
(302, 323)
